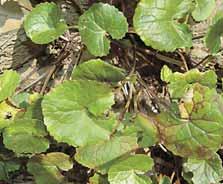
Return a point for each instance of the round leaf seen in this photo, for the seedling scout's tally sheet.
(179, 83)
(131, 177)
(148, 128)
(44, 23)
(156, 23)
(205, 171)
(98, 21)
(213, 36)
(26, 136)
(194, 126)
(7, 114)
(68, 111)
(96, 155)
(9, 80)
(46, 168)
(130, 170)
(203, 9)
(99, 70)
(6, 167)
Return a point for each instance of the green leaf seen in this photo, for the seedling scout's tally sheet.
(213, 36)
(7, 114)
(46, 168)
(96, 155)
(149, 129)
(156, 23)
(193, 127)
(179, 83)
(44, 23)
(95, 25)
(6, 167)
(98, 179)
(205, 171)
(166, 73)
(9, 80)
(131, 170)
(70, 119)
(99, 70)
(165, 180)
(21, 100)
(203, 9)
(131, 177)
(34, 109)
(26, 136)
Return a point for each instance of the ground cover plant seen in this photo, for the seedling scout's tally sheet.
(135, 107)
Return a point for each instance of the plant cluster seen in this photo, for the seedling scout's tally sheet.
(80, 112)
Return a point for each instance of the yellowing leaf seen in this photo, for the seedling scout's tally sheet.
(179, 83)
(197, 130)
(205, 171)
(46, 168)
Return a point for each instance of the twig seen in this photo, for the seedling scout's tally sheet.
(184, 60)
(168, 59)
(205, 60)
(24, 78)
(26, 8)
(64, 38)
(198, 37)
(53, 68)
(31, 84)
(131, 30)
(172, 177)
(129, 96)
(160, 56)
(50, 73)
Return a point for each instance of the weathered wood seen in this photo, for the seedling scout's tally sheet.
(16, 49)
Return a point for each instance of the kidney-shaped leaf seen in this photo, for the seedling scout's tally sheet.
(156, 23)
(44, 23)
(9, 80)
(215, 31)
(148, 128)
(98, 179)
(6, 167)
(99, 70)
(165, 180)
(179, 83)
(194, 126)
(96, 155)
(203, 9)
(130, 170)
(130, 177)
(205, 171)
(26, 136)
(99, 21)
(68, 111)
(46, 168)
(7, 114)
